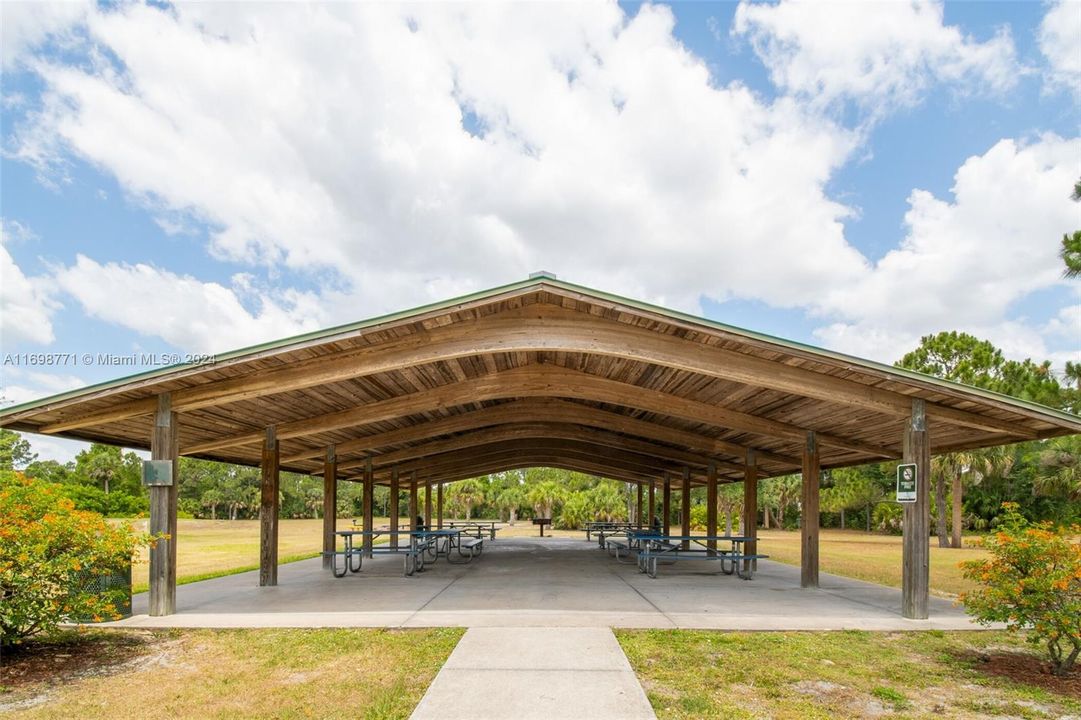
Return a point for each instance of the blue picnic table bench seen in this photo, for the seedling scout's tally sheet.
(476, 528)
(425, 546)
(606, 526)
(666, 549)
(627, 543)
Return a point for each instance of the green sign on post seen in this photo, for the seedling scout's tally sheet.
(906, 483)
(157, 473)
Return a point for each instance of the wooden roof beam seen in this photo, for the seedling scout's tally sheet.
(584, 449)
(540, 431)
(548, 410)
(543, 381)
(447, 476)
(543, 328)
(580, 459)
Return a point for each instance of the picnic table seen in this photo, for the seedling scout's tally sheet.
(425, 546)
(614, 529)
(476, 528)
(628, 542)
(598, 526)
(671, 548)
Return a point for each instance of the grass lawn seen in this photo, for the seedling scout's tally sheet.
(797, 676)
(356, 673)
(872, 557)
(211, 548)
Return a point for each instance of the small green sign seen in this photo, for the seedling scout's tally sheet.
(906, 483)
(157, 473)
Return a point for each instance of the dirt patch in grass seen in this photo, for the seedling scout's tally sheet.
(854, 675)
(1025, 669)
(372, 674)
(29, 672)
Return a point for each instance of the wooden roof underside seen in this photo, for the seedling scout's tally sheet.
(542, 374)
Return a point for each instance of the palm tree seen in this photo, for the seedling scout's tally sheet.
(576, 511)
(973, 465)
(1060, 465)
(469, 493)
(545, 496)
(508, 501)
(607, 501)
(1071, 244)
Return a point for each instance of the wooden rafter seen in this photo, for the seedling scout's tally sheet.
(543, 329)
(539, 431)
(549, 410)
(543, 381)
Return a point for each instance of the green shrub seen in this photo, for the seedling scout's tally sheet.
(114, 504)
(576, 512)
(51, 556)
(1031, 582)
(887, 516)
(698, 518)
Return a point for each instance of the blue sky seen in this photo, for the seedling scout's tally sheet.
(193, 178)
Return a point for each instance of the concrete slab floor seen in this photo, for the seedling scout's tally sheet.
(550, 582)
(527, 673)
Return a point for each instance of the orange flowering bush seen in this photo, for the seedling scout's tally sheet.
(1031, 582)
(50, 556)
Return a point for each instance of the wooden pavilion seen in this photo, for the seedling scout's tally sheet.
(540, 372)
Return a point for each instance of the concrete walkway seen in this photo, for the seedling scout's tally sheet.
(549, 582)
(535, 673)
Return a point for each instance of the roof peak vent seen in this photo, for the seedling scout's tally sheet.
(542, 274)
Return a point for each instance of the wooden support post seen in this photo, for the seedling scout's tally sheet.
(685, 506)
(268, 511)
(711, 506)
(916, 542)
(439, 506)
(639, 507)
(652, 503)
(394, 511)
(330, 505)
(809, 515)
(750, 510)
(427, 501)
(369, 505)
(413, 503)
(164, 446)
(667, 527)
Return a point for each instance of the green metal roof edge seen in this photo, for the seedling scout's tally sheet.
(271, 345)
(542, 279)
(851, 359)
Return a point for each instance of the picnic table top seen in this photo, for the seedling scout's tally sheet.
(376, 533)
(726, 538)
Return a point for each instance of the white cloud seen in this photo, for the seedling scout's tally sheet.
(53, 448)
(24, 25)
(22, 384)
(1060, 42)
(962, 264)
(878, 54)
(194, 316)
(605, 152)
(1067, 323)
(26, 303)
(606, 149)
